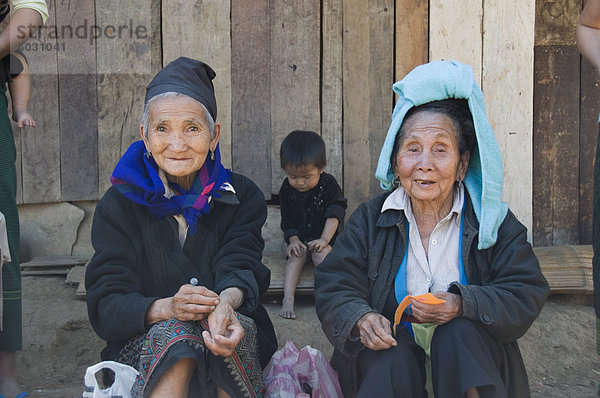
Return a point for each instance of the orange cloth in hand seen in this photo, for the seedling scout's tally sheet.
(426, 298)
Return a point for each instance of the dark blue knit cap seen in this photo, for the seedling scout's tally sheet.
(186, 76)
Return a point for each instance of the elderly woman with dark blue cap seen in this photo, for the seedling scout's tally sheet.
(441, 241)
(174, 284)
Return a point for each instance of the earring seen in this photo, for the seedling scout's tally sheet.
(396, 182)
(148, 154)
(212, 155)
(459, 186)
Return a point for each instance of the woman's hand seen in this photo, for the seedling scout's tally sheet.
(190, 303)
(295, 248)
(438, 314)
(225, 331)
(315, 246)
(375, 331)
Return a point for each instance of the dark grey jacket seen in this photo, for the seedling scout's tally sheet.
(505, 294)
(139, 259)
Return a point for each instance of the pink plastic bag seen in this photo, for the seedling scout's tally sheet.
(304, 373)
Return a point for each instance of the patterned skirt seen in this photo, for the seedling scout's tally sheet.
(239, 375)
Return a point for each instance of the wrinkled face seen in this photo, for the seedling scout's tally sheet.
(428, 161)
(303, 178)
(178, 136)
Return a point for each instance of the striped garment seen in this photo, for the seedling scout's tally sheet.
(10, 337)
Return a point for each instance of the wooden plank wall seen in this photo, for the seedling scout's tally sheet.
(508, 87)
(367, 72)
(566, 106)
(331, 90)
(40, 146)
(251, 93)
(327, 66)
(121, 93)
(78, 105)
(457, 41)
(412, 35)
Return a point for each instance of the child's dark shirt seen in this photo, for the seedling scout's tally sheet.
(304, 213)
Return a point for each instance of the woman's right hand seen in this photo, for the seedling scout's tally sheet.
(190, 303)
(375, 331)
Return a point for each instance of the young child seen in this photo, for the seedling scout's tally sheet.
(312, 208)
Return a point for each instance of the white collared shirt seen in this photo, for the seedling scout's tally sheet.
(435, 272)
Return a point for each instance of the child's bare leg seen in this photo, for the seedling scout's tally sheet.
(318, 257)
(293, 268)
(20, 91)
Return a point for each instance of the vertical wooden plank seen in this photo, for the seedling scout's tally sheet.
(368, 97)
(331, 90)
(508, 87)
(77, 101)
(201, 30)
(40, 146)
(251, 94)
(588, 135)
(556, 146)
(556, 21)
(412, 35)
(356, 98)
(295, 74)
(122, 77)
(450, 40)
(156, 23)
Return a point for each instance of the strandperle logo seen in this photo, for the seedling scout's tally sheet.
(84, 31)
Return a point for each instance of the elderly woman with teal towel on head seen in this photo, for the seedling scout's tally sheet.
(431, 283)
(174, 284)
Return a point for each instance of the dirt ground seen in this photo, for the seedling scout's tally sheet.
(559, 350)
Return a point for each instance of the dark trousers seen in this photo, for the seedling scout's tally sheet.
(396, 372)
(463, 356)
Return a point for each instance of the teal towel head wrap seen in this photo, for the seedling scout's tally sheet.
(451, 79)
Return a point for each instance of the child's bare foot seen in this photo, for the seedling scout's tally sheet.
(23, 118)
(287, 308)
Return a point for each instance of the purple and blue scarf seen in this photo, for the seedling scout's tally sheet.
(136, 177)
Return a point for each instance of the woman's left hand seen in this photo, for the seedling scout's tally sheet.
(438, 314)
(225, 331)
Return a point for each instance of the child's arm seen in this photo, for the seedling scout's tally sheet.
(331, 225)
(22, 25)
(20, 90)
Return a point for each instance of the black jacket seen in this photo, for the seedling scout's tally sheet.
(139, 259)
(505, 294)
